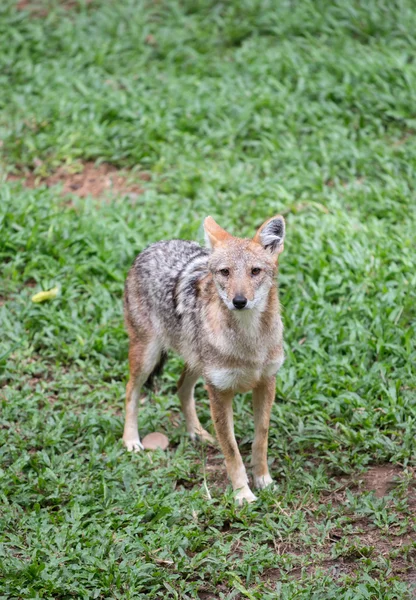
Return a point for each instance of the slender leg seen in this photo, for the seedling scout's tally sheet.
(222, 414)
(186, 386)
(143, 356)
(263, 398)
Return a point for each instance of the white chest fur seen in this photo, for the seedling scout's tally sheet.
(242, 378)
(249, 343)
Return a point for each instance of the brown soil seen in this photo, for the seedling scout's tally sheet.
(216, 474)
(364, 538)
(368, 542)
(381, 479)
(93, 180)
(28, 5)
(30, 283)
(40, 8)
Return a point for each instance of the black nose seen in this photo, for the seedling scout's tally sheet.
(239, 301)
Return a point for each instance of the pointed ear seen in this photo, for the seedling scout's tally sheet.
(271, 235)
(214, 234)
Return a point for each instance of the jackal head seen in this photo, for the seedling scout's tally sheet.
(243, 270)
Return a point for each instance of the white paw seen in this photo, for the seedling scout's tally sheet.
(262, 481)
(245, 495)
(133, 445)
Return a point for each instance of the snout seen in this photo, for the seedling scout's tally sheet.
(239, 301)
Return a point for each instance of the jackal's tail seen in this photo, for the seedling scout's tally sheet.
(156, 371)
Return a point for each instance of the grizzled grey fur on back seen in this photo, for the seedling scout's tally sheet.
(161, 288)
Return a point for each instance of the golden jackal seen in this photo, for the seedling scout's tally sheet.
(218, 307)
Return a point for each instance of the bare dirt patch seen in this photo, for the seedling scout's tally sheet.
(41, 8)
(28, 5)
(381, 479)
(370, 543)
(216, 473)
(30, 283)
(394, 547)
(93, 180)
(333, 568)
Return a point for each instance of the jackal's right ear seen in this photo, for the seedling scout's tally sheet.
(214, 234)
(271, 235)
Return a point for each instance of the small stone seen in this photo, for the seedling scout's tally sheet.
(154, 440)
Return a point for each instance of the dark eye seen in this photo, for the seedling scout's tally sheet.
(225, 272)
(255, 271)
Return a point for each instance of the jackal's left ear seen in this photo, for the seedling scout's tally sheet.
(271, 234)
(214, 234)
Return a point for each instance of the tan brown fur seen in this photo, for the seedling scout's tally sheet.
(225, 322)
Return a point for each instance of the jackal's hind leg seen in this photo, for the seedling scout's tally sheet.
(143, 357)
(186, 386)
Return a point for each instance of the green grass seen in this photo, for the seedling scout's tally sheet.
(240, 110)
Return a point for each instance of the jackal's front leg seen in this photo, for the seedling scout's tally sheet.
(222, 415)
(263, 398)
